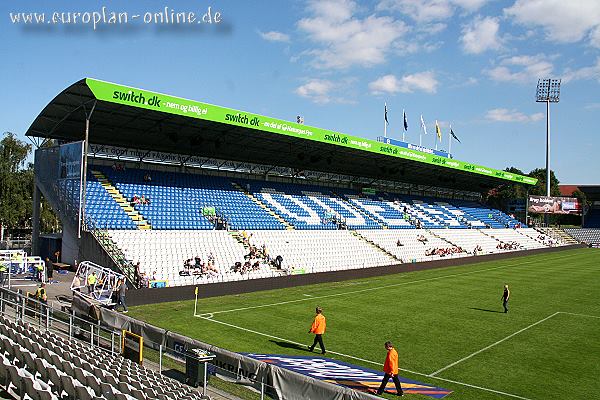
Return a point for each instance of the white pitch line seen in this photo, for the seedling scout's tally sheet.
(481, 388)
(433, 374)
(364, 360)
(580, 315)
(374, 288)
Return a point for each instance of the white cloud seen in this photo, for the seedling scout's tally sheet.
(470, 5)
(595, 37)
(506, 115)
(274, 36)
(522, 69)
(592, 73)
(385, 84)
(481, 35)
(430, 10)
(562, 20)
(346, 40)
(421, 81)
(316, 90)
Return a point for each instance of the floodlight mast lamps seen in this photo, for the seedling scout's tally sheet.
(548, 91)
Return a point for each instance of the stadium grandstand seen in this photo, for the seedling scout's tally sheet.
(590, 226)
(209, 194)
(174, 193)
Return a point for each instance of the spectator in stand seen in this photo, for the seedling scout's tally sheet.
(318, 328)
(237, 267)
(278, 261)
(147, 177)
(398, 243)
(145, 282)
(138, 273)
(135, 199)
(211, 269)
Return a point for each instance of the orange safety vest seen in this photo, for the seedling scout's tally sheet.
(318, 325)
(391, 362)
(40, 294)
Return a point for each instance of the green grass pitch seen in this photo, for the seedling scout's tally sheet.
(446, 323)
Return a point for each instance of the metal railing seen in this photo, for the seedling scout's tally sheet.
(169, 362)
(115, 253)
(22, 307)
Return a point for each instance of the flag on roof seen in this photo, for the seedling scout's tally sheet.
(453, 135)
(385, 113)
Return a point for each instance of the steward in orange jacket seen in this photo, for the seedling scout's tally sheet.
(390, 368)
(318, 328)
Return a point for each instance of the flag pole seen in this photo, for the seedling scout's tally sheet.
(450, 142)
(435, 137)
(421, 132)
(196, 302)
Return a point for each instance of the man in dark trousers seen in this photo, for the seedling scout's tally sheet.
(121, 289)
(318, 328)
(42, 296)
(505, 297)
(390, 369)
(49, 268)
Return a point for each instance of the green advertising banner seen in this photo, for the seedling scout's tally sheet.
(106, 91)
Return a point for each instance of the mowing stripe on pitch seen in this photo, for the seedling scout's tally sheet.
(362, 359)
(375, 288)
(491, 345)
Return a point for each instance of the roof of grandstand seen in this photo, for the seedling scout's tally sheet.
(126, 116)
(591, 191)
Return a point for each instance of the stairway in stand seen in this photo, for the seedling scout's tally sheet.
(359, 210)
(135, 216)
(375, 245)
(263, 206)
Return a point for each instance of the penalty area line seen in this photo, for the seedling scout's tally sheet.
(433, 374)
(302, 345)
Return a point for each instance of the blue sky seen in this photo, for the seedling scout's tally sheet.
(473, 64)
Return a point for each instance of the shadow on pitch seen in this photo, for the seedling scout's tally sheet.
(289, 345)
(486, 310)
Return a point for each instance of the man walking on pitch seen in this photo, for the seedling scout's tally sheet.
(318, 328)
(390, 368)
(505, 297)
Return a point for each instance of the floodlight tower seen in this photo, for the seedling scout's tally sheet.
(548, 91)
